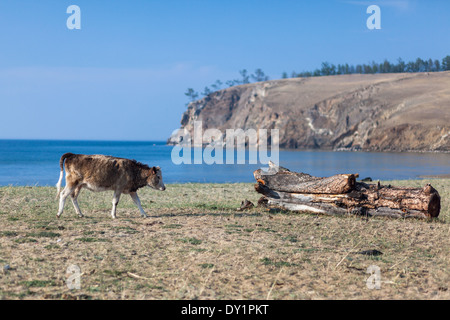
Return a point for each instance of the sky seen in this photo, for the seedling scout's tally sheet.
(123, 75)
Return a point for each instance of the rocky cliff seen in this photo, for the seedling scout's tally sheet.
(383, 112)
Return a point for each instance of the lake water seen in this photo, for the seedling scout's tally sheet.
(36, 162)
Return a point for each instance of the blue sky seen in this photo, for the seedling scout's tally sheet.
(124, 74)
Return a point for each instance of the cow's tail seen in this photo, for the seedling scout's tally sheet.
(61, 174)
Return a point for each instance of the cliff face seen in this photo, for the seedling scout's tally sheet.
(386, 112)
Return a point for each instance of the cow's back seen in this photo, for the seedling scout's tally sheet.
(98, 172)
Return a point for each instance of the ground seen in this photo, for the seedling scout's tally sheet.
(196, 245)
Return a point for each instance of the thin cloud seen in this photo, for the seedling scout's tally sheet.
(106, 75)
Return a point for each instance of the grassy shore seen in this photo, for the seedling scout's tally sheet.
(196, 245)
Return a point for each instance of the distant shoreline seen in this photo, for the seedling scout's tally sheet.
(159, 142)
(164, 142)
(436, 176)
(439, 177)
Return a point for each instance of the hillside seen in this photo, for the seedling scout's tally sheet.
(381, 112)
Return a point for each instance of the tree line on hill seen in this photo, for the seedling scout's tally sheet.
(401, 66)
(328, 69)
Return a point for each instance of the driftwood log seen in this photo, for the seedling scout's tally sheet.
(342, 194)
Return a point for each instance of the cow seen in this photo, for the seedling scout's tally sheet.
(101, 173)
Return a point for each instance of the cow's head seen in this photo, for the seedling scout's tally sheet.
(155, 180)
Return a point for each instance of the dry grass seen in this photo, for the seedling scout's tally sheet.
(196, 245)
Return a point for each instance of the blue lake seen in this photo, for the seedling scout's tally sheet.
(36, 162)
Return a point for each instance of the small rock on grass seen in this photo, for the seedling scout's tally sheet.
(371, 252)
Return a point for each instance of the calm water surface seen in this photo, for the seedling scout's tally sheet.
(36, 162)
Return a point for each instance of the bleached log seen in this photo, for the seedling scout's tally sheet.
(304, 183)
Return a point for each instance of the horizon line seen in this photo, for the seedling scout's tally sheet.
(91, 140)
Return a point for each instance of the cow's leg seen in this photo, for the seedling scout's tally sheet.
(74, 197)
(62, 198)
(115, 202)
(136, 200)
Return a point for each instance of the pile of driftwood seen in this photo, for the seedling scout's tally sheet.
(342, 194)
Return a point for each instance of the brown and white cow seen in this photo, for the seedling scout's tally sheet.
(100, 173)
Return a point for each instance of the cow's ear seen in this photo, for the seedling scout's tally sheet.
(154, 170)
